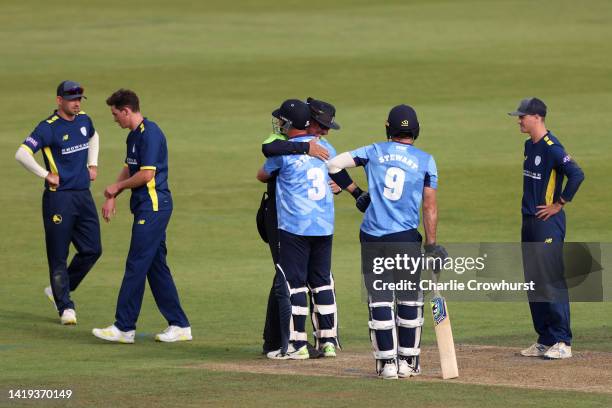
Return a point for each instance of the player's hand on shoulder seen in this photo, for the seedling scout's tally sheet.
(316, 150)
(362, 202)
(53, 180)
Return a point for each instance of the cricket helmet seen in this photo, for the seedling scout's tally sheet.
(293, 113)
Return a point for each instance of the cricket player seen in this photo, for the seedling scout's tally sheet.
(145, 172)
(400, 177)
(278, 145)
(322, 119)
(305, 210)
(70, 146)
(545, 165)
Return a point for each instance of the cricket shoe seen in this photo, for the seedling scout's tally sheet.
(291, 354)
(174, 333)
(68, 317)
(408, 367)
(558, 351)
(49, 294)
(535, 350)
(388, 370)
(112, 333)
(328, 349)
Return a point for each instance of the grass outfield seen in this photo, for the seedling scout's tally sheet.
(210, 74)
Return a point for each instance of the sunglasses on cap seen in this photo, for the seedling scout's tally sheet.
(73, 91)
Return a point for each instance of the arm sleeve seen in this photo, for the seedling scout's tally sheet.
(431, 175)
(278, 147)
(340, 162)
(94, 148)
(25, 157)
(566, 165)
(149, 150)
(336, 168)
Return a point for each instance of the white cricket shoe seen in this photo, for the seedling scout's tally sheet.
(68, 317)
(174, 333)
(559, 351)
(112, 333)
(49, 294)
(388, 370)
(535, 350)
(405, 369)
(328, 349)
(291, 354)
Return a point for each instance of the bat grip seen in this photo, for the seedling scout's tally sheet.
(434, 278)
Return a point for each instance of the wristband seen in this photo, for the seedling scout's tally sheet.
(357, 192)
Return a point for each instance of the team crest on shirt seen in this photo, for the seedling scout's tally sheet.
(537, 160)
(84, 131)
(57, 219)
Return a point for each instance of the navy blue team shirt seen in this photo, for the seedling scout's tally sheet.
(65, 145)
(546, 163)
(147, 150)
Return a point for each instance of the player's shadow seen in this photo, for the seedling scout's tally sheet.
(18, 318)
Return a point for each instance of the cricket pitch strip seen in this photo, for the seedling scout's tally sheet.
(587, 371)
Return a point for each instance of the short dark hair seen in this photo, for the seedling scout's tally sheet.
(122, 98)
(405, 135)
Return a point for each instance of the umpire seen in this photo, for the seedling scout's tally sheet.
(70, 146)
(545, 165)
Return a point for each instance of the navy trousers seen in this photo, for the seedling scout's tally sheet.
(147, 261)
(305, 261)
(543, 263)
(408, 336)
(70, 216)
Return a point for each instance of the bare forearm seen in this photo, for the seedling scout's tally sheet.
(140, 178)
(430, 223)
(124, 174)
(430, 214)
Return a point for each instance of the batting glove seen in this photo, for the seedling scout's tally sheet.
(362, 199)
(435, 251)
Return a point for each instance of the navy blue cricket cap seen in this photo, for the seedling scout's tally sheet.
(295, 112)
(530, 106)
(322, 112)
(402, 120)
(70, 90)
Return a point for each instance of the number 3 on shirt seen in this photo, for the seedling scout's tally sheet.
(394, 183)
(319, 188)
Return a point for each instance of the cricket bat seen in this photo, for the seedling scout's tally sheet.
(444, 334)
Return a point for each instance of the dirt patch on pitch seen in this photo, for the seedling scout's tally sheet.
(587, 371)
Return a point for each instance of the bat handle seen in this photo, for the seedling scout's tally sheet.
(434, 278)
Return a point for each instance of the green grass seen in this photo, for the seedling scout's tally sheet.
(209, 74)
